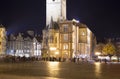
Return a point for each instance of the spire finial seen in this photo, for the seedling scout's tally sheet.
(51, 23)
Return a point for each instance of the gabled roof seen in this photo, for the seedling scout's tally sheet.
(1, 26)
(39, 39)
(80, 25)
(24, 35)
(52, 25)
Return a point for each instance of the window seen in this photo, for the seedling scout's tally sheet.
(65, 37)
(83, 32)
(51, 39)
(82, 35)
(65, 47)
(65, 29)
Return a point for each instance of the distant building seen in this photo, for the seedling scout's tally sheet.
(2, 40)
(24, 45)
(37, 46)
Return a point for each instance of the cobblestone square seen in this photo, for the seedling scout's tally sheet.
(59, 70)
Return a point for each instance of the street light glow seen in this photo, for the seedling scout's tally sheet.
(97, 53)
(97, 68)
(56, 53)
(52, 48)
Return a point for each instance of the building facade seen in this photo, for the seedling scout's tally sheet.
(68, 39)
(65, 38)
(37, 46)
(2, 40)
(20, 45)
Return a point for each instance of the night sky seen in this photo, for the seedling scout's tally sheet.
(101, 16)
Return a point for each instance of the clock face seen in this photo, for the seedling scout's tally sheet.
(52, 1)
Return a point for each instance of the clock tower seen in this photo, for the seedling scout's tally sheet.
(55, 9)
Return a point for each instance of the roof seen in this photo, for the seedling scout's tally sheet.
(1, 26)
(39, 38)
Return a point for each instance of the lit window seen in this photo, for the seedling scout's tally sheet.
(51, 39)
(12, 51)
(65, 37)
(28, 51)
(65, 46)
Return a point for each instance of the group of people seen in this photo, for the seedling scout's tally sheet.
(59, 59)
(75, 60)
(9, 58)
(78, 60)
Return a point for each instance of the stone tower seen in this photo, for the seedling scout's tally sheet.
(55, 9)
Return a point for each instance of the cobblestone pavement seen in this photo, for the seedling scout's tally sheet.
(59, 70)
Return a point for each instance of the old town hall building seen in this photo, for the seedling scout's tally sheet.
(64, 38)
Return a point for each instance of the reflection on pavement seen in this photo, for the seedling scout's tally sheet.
(97, 69)
(53, 68)
(2, 76)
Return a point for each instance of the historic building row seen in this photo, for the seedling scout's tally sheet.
(24, 45)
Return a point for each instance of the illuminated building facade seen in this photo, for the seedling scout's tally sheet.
(37, 46)
(68, 39)
(75, 39)
(2, 40)
(24, 45)
(65, 38)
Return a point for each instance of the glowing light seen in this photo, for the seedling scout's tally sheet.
(83, 33)
(52, 48)
(33, 43)
(114, 58)
(104, 57)
(56, 53)
(27, 55)
(97, 53)
(74, 20)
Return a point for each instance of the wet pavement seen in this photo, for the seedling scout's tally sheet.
(59, 70)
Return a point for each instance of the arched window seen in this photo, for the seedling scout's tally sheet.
(65, 37)
(51, 39)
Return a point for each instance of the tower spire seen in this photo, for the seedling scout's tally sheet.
(51, 23)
